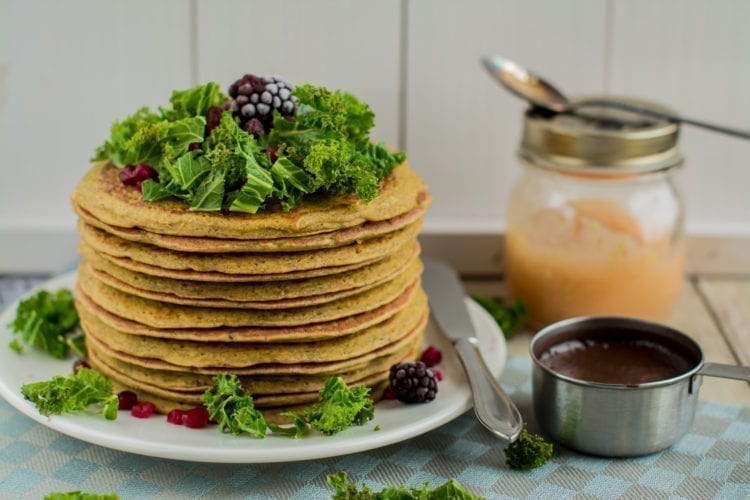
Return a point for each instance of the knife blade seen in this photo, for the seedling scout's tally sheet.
(494, 409)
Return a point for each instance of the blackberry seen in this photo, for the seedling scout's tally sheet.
(254, 98)
(413, 382)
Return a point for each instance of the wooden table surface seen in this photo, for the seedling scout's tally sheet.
(713, 309)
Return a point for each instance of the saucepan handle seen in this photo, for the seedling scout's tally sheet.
(725, 371)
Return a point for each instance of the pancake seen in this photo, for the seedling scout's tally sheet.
(101, 194)
(289, 244)
(191, 355)
(249, 263)
(149, 379)
(162, 315)
(304, 333)
(270, 295)
(322, 368)
(216, 277)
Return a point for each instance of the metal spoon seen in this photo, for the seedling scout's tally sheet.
(543, 94)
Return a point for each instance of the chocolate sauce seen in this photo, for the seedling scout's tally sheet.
(614, 360)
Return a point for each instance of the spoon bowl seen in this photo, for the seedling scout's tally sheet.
(526, 85)
(539, 92)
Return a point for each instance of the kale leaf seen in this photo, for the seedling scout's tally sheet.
(76, 392)
(44, 320)
(340, 407)
(81, 495)
(528, 452)
(232, 408)
(509, 318)
(450, 490)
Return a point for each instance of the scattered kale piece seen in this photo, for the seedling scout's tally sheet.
(344, 490)
(81, 495)
(298, 429)
(528, 452)
(232, 408)
(340, 407)
(74, 393)
(509, 318)
(44, 320)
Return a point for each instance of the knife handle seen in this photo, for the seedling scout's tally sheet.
(494, 409)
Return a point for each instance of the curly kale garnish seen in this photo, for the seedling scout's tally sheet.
(77, 392)
(81, 495)
(45, 321)
(528, 452)
(344, 490)
(340, 407)
(509, 318)
(325, 147)
(232, 408)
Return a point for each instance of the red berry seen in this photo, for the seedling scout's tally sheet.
(127, 175)
(143, 410)
(272, 155)
(175, 417)
(134, 176)
(388, 394)
(431, 356)
(254, 127)
(213, 118)
(438, 374)
(144, 172)
(79, 363)
(127, 400)
(195, 418)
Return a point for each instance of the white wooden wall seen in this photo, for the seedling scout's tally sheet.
(68, 68)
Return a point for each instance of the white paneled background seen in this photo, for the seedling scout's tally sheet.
(68, 68)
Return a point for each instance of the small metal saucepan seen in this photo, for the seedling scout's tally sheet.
(618, 419)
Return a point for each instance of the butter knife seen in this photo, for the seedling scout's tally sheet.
(494, 409)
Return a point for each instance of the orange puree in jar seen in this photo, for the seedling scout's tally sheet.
(589, 257)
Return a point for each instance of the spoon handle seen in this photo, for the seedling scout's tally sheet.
(744, 134)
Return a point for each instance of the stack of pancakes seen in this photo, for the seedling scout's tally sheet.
(169, 297)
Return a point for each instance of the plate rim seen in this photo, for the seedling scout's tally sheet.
(74, 425)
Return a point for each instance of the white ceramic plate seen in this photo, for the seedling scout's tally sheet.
(155, 437)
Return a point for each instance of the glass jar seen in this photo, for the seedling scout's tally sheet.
(596, 224)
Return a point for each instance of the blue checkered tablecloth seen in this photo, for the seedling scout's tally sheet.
(711, 461)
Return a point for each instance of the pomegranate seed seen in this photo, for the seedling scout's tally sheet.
(134, 176)
(254, 127)
(143, 410)
(195, 418)
(438, 374)
(389, 394)
(144, 172)
(272, 155)
(213, 118)
(175, 417)
(431, 356)
(127, 175)
(127, 399)
(79, 363)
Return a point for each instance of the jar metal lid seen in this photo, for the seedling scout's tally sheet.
(601, 139)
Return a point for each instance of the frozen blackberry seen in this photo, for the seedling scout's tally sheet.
(413, 382)
(255, 98)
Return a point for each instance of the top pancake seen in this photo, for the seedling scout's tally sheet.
(101, 194)
(291, 244)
